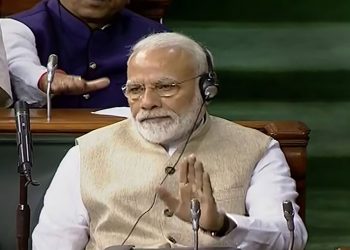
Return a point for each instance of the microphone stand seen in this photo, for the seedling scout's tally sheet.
(291, 242)
(22, 215)
(195, 242)
(288, 213)
(195, 213)
(48, 101)
(24, 147)
(51, 69)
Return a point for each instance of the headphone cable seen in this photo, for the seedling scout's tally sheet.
(166, 175)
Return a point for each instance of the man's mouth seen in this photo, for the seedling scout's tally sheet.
(154, 119)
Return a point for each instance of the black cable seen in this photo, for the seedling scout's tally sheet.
(166, 175)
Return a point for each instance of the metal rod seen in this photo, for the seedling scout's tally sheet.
(22, 216)
(195, 240)
(48, 101)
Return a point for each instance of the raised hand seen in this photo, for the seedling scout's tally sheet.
(194, 182)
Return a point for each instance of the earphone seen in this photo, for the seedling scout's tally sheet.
(208, 82)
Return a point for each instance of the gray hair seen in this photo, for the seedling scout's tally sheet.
(172, 39)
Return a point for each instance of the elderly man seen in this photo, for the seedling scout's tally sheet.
(92, 39)
(5, 88)
(119, 185)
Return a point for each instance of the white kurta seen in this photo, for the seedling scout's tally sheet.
(5, 87)
(23, 61)
(64, 221)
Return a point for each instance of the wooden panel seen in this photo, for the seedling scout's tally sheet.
(154, 9)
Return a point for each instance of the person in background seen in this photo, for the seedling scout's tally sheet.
(5, 87)
(132, 182)
(91, 38)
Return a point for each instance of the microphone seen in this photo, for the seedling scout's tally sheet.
(195, 214)
(288, 213)
(51, 69)
(24, 141)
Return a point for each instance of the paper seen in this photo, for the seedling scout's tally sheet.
(116, 111)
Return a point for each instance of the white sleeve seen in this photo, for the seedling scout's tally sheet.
(266, 227)
(23, 61)
(5, 87)
(64, 220)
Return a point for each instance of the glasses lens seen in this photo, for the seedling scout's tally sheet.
(133, 91)
(167, 89)
(163, 89)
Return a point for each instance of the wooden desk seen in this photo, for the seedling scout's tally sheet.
(83, 121)
(72, 121)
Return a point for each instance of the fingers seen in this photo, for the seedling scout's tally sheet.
(198, 167)
(207, 188)
(183, 171)
(191, 174)
(190, 170)
(75, 85)
(194, 183)
(97, 84)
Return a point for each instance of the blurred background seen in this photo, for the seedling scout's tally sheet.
(286, 60)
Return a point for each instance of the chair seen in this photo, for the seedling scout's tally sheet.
(293, 137)
(153, 9)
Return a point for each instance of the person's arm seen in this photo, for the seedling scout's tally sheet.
(22, 56)
(266, 226)
(5, 87)
(63, 222)
(23, 61)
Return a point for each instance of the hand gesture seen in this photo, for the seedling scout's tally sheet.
(72, 85)
(194, 183)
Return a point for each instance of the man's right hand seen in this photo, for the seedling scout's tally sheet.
(71, 85)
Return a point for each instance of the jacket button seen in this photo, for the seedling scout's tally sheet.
(86, 96)
(170, 170)
(168, 213)
(92, 65)
(171, 239)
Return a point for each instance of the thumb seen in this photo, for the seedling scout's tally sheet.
(169, 200)
(97, 84)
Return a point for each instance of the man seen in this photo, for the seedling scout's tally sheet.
(5, 88)
(91, 38)
(104, 191)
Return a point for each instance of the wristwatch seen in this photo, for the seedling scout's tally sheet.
(225, 229)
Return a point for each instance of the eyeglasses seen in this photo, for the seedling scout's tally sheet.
(165, 87)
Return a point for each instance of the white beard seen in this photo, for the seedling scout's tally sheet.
(171, 129)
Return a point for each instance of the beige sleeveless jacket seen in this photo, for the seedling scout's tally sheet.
(120, 172)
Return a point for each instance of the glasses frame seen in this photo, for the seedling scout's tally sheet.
(175, 83)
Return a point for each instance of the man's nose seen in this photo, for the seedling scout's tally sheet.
(150, 99)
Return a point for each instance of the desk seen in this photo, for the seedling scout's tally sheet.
(80, 121)
(51, 141)
(63, 121)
